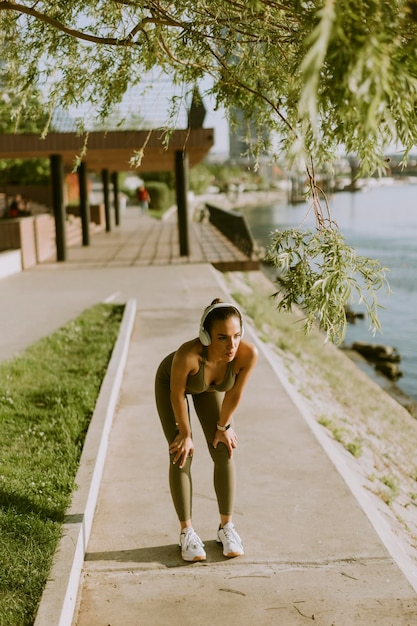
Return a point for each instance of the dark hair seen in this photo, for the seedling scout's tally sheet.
(221, 313)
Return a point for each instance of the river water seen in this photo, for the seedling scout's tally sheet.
(380, 223)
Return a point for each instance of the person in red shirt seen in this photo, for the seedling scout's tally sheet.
(143, 198)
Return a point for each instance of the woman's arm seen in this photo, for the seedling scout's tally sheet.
(246, 362)
(184, 362)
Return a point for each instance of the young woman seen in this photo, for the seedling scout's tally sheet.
(213, 368)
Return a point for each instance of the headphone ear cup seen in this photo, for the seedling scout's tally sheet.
(204, 337)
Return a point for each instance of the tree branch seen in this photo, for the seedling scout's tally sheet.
(257, 93)
(171, 55)
(78, 34)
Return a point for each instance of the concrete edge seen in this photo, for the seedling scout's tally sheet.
(58, 601)
(382, 527)
(10, 262)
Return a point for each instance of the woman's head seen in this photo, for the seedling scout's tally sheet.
(217, 311)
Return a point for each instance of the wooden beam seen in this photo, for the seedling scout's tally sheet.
(112, 150)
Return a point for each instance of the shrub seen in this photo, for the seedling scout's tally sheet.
(161, 196)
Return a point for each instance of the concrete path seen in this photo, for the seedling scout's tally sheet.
(312, 554)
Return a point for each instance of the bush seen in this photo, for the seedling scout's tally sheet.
(24, 171)
(161, 196)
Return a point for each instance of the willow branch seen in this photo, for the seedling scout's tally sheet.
(237, 82)
(315, 193)
(174, 58)
(109, 41)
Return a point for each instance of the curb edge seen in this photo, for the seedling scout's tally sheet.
(57, 604)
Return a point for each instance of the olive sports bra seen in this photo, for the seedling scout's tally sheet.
(197, 384)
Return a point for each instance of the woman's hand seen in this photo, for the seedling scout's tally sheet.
(180, 448)
(228, 437)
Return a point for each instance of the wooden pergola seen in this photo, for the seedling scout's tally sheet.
(112, 150)
(108, 153)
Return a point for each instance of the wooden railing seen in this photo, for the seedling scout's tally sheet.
(234, 226)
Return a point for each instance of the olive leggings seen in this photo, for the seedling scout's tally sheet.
(207, 406)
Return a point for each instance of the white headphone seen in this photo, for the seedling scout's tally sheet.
(203, 333)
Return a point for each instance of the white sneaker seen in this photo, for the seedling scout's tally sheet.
(192, 548)
(232, 543)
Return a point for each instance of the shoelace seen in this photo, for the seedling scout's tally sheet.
(192, 539)
(231, 534)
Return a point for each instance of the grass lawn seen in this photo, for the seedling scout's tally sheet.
(47, 398)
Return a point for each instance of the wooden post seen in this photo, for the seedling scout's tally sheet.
(105, 181)
(84, 204)
(115, 182)
(57, 183)
(181, 183)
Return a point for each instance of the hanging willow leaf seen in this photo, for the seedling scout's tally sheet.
(322, 275)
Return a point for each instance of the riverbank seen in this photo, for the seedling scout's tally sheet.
(385, 383)
(240, 200)
(376, 435)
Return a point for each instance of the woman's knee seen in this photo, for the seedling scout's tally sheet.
(220, 454)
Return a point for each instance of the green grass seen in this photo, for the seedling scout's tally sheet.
(339, 434)
(47, 398)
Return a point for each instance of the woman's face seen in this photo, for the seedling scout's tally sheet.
(225, 337)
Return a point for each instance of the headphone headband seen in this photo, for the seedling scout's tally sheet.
(203, 334)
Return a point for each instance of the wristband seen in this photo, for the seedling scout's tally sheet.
(223, 428)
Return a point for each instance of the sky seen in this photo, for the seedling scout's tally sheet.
(218, 121)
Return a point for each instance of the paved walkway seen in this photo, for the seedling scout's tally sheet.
(312, 553)
(142, 241)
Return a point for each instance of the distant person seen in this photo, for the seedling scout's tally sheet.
(143, 198)
(213, 368)
(17, 207)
